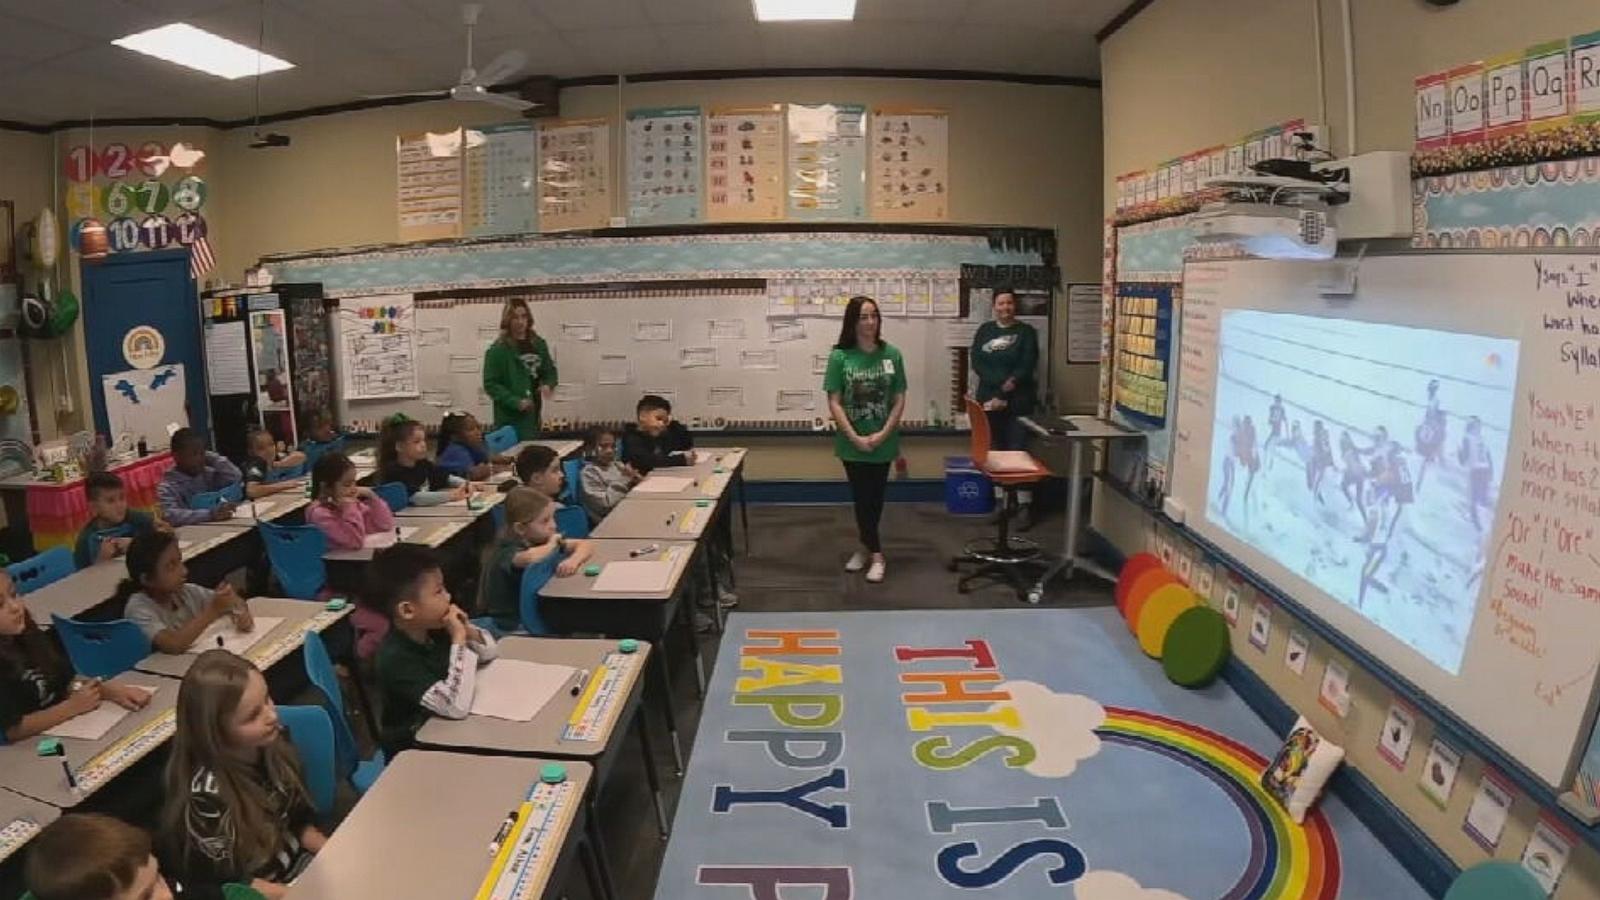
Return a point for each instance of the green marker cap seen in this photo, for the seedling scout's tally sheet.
(336, 604)
(702, 503)
(591, 569)
(553, 773)
(628, 645)
(49, 746)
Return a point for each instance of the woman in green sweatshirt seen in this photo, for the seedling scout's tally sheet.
(1005, 354)
(518, 372)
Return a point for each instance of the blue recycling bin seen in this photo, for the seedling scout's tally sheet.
(967, 491)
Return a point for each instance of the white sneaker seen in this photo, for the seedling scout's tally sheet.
(856, 562)
(875, 571)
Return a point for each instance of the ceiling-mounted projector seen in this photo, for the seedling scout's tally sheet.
(1269, 230)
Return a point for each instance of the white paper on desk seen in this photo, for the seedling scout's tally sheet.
(662, 484)
(93, 725)
(642, 576)
(233, 640)
(387, 538)
(515, 689)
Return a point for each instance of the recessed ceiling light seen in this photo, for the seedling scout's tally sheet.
(805, 10)
(189, 46)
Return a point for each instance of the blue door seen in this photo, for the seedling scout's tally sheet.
(126, 290)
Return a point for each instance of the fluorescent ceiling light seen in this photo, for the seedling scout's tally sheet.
(189, 46)
(805, 10)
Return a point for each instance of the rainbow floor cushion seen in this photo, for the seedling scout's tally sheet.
(989, 754)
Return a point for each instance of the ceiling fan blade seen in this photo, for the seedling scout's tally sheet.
(502, 67)
(407, 95)
(505, 101)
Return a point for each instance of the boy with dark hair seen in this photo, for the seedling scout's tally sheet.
(195, 470)
(89, 856)
(112, 526)
(428, 663)
(262, 462)
(655, 441)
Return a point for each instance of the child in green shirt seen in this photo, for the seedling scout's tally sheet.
(530, 538)
(107, 535)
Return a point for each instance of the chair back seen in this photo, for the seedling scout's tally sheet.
(312, 733)
(314, 450)
(572, 469)
(101, 649)
(501, 439)
(572, 522)
(295, 553)
(394, 494)
(320, 672)
(533, 580)
(980, 432)
(46, 568)
(277, 475)
(233, 493)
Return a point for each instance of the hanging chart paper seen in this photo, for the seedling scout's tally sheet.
(910, 166)
(497, 194)
(227, 360)
(378, 338)
(145, 404)
(428, 187)
(664, 166)
(574, 174)
(1083, 323)
(827, 169)
(744, 164)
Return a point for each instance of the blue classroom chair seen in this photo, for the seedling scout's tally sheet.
(295, 553)
(289, 474)
(233, 493)
(572, 522)
(319, 670)
(314, 450)
(533, 580)
(46, 568)
(501, 439)
(571, 469)
(101, 649)
(394, 494)
(312, 734)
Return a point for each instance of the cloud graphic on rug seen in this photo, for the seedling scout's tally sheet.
(1060, 727)
(1103, 885)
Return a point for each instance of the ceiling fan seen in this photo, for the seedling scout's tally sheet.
(475, 84)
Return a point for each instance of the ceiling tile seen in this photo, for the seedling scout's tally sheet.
(727, 46)
(27, 41)
(700, 12)
(108, 19)
(806, 44)
(568, 15)
(618, 49)
(1089, 15)
(911, 10)
(173, 10)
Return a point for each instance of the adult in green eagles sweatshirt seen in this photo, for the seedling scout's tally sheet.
(518, 372)
(1005, 354)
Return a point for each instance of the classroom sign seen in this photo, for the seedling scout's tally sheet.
(1001, 754)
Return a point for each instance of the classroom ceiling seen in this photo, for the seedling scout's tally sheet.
(56, 62)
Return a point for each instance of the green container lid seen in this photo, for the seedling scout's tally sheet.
(628, 645)
(591, 569)
(553, 773)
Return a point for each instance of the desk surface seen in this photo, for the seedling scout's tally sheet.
(40, 777)
(433, 533)
(422, 831)
(72, 595)
(542, 735)
(609, 550)
(705, 483)
(298, 616)
(1084, 428)
(660, 520)
(195, 540)
(563, 449)
(20, 819)
(267, 509)
(455, 509)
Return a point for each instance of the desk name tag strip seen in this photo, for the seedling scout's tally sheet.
(110, 762)
(524, 864)
(602, 700)
(16, 833)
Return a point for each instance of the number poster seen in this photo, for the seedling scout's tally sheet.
(150, 194)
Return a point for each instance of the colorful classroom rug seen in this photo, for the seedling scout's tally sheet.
(924, 755)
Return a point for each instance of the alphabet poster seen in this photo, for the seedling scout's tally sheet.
(428, 185)
(574, 174)
(910, 165)
(665, 160)
(744, 164)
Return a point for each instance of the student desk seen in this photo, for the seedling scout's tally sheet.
(656, 520)
(595, 718)
(563, 449)
(433, 533)
(730, 459)
(455, 509)
(299, 617)
(77, 593)
(422, 831)
(195, 540)
(20, 820)
(217, 548)
(95, 763)
(573, 605)
(705, 487)
(268, 509)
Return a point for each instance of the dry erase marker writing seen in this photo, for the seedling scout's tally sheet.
(504, 832)
(583, 678)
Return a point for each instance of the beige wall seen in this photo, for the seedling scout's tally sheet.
(1186, 74)
(1019, 155)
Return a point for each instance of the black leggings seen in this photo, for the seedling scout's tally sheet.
(869, 482)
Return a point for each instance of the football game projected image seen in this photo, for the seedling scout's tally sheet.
(1367, 459)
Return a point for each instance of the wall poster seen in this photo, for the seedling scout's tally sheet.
(574, 174)
(744, 164)
(665, 163)
(910, 165)
(827, 161)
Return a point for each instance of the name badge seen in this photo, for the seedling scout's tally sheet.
(888, 367)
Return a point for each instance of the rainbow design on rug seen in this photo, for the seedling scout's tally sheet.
(1287, 861)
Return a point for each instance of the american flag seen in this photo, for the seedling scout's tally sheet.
(201, 259)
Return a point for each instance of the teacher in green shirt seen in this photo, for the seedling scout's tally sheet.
(1005, 355)
(518, 373)
(866, 385)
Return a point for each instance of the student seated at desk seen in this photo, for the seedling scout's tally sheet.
(462, 451)
(159, 599)
(428, 664)
(264, 462)
(403, 458)
(195, 470)
(38, 689)
(530, 538)
(346, 512)
(90, 856)
(113, 525)
(655, 441)
(237, 806)
(605, 480)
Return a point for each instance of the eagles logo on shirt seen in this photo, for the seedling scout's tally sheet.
(999, 344)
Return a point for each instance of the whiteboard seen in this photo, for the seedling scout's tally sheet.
(1527, 587)
(715, 354)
